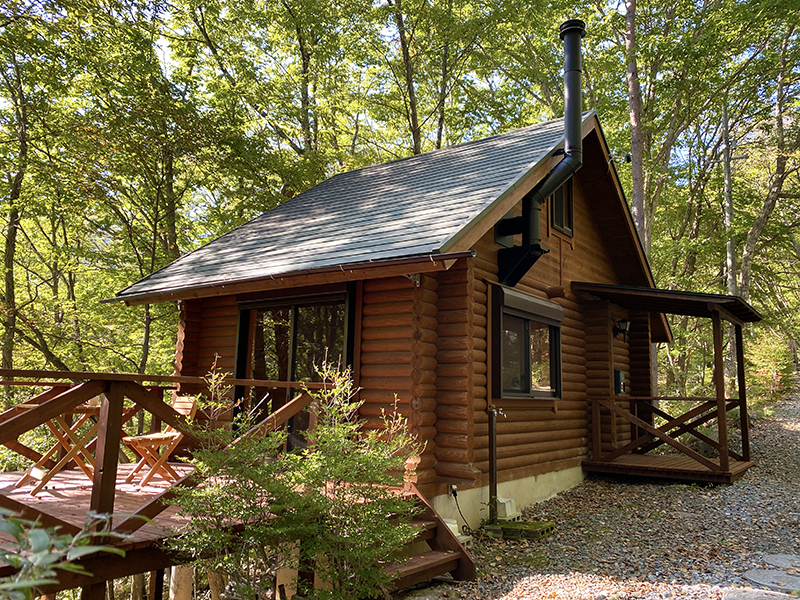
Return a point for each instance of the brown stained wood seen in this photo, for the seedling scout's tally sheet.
(453, 455)
(667, 466)
(744, 419)
(457, 413)
(32, 514)
(461, 426)
(400, 298)
(463, 470)
(386, 358)
(387, 283)
(516, 462)
(719, 383)
(532, 450)
(37, 399)
(659, 433)
(450, 440)
(385, 396)
(107, 454)
(389, 345)
(378, 410)
(155, 506)
(154, 404)
(49, 409)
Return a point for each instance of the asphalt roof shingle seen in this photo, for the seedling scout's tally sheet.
(404, 208)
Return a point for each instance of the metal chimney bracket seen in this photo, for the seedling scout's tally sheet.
(504, 232)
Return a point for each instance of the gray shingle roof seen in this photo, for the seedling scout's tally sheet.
(409, 207)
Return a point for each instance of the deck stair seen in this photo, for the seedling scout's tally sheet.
(434, 552)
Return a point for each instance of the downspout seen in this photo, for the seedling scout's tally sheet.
(516, 261)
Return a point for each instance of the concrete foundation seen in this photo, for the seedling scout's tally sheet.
(474, 502)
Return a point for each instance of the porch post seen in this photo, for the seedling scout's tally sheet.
(719, 382)
(108, 438)
(743, 416)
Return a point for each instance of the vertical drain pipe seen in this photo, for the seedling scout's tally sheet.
(516, 261)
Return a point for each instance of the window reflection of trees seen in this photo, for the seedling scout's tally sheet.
(290, 342)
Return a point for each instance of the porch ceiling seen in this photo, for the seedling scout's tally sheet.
(673, 302)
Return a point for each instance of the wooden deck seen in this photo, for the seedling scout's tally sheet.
(65, 503)
(668, 466)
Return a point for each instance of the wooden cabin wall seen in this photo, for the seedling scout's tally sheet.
(456, 375)
(206, 331)
(621, 362)
(641, 366)
(398, 359)
(599, 373)
(538, 441)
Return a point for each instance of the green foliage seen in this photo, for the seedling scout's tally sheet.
(333, 507)
(771, 370)
(38, 553)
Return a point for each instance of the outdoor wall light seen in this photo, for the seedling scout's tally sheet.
(623, 326)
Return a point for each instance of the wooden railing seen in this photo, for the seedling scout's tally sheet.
(122, 396)
(647, 437)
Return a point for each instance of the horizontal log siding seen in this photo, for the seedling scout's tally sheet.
(538, 441)
(456, 374)
(398, 359)
(622, 363)
(640, 357)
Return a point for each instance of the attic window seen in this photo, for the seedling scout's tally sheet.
(561, 209)
(526, 346)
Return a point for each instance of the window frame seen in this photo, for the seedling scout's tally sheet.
(562, 217)
(250, 303)
(508, 301)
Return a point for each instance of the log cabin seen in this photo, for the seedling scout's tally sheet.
(495, 293)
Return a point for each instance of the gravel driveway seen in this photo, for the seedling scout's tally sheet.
(654, 540)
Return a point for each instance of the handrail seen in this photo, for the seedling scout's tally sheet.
(134, 377)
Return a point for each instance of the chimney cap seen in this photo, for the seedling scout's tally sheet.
(572, 25)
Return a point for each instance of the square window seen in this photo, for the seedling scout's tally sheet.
(526, 346)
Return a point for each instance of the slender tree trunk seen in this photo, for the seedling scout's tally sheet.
(411, 96)
(779, 174)
(730, 248)
(635, 116)
(19, 100)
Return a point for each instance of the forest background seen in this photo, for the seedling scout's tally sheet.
(133, 131)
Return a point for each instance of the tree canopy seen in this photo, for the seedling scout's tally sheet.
(132, 131)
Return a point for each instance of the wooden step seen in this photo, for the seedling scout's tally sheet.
(422, 567)
(427, 529)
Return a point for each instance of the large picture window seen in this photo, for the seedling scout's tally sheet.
(526, 346)
(288, 340)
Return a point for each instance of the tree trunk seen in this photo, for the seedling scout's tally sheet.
(635, 116)
(411, 96)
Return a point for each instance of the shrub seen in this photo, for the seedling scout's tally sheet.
(332, 508)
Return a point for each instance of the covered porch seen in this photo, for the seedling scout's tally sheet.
(636, 434)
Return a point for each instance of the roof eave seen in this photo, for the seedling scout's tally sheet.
(411, 264)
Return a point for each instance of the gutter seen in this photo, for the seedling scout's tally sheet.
(424, 259)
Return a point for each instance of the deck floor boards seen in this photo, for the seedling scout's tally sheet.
(669, 466)
(68, 494)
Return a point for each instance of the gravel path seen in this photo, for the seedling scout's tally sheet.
(632, 540)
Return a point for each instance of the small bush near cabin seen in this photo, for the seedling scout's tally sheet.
(332, 508)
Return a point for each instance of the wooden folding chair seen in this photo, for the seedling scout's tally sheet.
(156, 448)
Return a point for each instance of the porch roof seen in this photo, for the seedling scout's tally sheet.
(654, 300)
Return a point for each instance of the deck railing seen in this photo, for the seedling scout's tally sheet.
(121, 398)
(645, 436)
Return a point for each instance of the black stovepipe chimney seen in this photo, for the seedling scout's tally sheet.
(516, 261)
